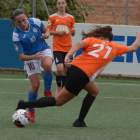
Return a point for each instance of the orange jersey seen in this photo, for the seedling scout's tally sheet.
(56, 23)
(97, 54)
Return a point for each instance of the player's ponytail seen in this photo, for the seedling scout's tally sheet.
(98, 31)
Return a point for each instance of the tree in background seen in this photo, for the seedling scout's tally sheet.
(78, 10)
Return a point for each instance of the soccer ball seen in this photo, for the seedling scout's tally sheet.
(19, 118)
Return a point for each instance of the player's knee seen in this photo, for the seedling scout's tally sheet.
(95, 92)
(59, 71)
(36, 86)
(48, 69)
(59, 102)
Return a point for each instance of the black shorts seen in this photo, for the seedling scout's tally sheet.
(76, 81)
(60, 56)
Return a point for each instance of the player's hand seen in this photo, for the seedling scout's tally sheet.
(73, 31)
(45, 36)
(39, 56)
(67, 61)
(62, 32)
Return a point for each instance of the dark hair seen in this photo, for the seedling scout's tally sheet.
(14, 14)
(106, 32)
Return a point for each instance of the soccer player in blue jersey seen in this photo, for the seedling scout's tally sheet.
(28, 38)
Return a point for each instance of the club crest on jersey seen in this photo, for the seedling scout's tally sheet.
(35, 30)
(16, 47)
(68, 21)
(48, 23)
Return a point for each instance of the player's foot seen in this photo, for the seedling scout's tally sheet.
(21, 105)
(57, 90)
(79, 124)
(31, 115)
(48, 94)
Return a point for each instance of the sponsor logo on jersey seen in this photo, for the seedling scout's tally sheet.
(24, 36)
(16, 47)
(35, 30)
(48, 23)
(57, 20)
(68, 21)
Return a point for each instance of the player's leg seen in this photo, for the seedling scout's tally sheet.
(46, 64)
(77, 80)
(64, 75)
(47, 75)
(59, 100)
(92, 90)
(58, 57)
(33, 93)
(33, 71)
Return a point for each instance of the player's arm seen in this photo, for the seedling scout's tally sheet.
(135, 45)
(73, 28)
(24, 57)
(58, 32)
(72, 31)
(74, 49)
(45, 33)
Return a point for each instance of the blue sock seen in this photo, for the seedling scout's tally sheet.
(32, 96)
(47, 80)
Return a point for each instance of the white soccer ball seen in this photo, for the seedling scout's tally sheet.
(19, 118)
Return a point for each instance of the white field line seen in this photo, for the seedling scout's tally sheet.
(97, 97)
(121, 84)
(107, 83)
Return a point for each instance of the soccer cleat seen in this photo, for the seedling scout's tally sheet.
(79, 124)
(57, 90)
(31, 115)
(48, 94)
(21, 105)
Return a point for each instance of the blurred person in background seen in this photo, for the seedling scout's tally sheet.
(61, 26)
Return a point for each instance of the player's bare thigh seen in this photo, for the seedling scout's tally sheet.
(63, 97)
(46, 64)
(92, 88)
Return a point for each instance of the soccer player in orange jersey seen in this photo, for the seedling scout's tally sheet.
(98, 51)
(61, 25)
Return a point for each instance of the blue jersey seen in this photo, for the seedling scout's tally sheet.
(29, 42)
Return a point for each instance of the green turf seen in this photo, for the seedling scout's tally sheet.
(23, 76)
(113, 116)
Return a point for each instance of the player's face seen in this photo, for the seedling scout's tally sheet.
(21, 21)
(61, 5)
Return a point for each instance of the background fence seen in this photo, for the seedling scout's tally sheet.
(118, 12)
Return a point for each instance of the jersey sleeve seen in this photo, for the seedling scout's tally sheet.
(17, 44)
(73, 22)
(50, 23)
(121, 49)
(87, 41)
(39, 23)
